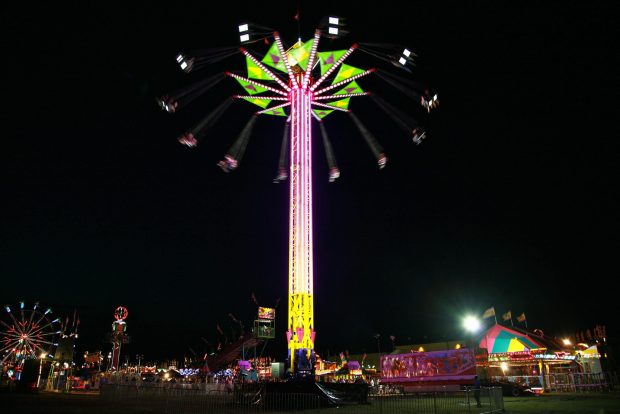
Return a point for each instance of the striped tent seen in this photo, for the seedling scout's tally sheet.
(499, 339)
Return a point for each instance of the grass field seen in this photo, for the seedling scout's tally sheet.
(592, 403)
(46, 403)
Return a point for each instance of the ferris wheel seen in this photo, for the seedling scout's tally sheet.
(27, 332)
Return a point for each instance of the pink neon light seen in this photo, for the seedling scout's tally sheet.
(344, 95)
(315, 45)
(347, 80)
(329, 106)
(234, 75)
(333, 68)
(270, 98)
(271, 108)
(292, 79)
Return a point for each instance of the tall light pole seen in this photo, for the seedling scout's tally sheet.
(40, 368)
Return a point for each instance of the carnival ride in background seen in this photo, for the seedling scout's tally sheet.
(118, 336)
(300, 84)
(27, 332)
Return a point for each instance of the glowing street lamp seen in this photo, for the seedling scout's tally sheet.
(471, 324)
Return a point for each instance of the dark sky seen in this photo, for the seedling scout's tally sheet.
(510, 202)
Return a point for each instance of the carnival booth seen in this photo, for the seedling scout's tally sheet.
(520, 356)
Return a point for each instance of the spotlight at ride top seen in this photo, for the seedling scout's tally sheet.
(333, 26)
(405, 56)
(244, 33)
(185, 63)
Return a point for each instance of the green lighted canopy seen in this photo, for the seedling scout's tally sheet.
(343, 103)
(273, 58)
(255, 72)
(263, 103)
(352, 87)
(250, 88)
(299, 55)
(276, 111)
(322, 113)
(346, 72)
(328, 59)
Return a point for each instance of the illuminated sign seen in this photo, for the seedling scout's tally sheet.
(121, 313)
(266, 313)
(555, 356)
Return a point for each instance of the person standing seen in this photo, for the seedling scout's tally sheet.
(477, 391)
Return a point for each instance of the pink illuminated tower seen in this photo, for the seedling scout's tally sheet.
(302, 94)
(302, 85)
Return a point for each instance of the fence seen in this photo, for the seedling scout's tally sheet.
(182, 401)
(566, 382)
(581, 382)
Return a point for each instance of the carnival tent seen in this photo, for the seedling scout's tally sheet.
(499, 339)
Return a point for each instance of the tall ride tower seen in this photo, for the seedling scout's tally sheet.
(288, 83)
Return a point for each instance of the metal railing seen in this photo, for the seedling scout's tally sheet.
(181, 401)
(566, 382)
(581, 382)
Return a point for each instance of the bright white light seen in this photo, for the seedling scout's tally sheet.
(243, 28)
(504, 366)
(244, 38)
(43, 355)
(406, 52)
(333, 20)
(566, 341)
(471, 323)
(179, 58)
(183, 65)
(333, 30)
(402, 61)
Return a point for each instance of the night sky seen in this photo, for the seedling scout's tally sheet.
(510, 202)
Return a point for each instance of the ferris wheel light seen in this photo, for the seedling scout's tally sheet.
(56, 320)
(402, 61)
(244, 37)
(179, 58)
(334, 20)
(28, 334)
(48, 311)
(406, 52)
(243, 28)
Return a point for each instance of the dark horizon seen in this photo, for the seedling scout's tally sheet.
(510, 201)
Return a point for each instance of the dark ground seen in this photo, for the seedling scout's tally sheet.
(48, 403)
